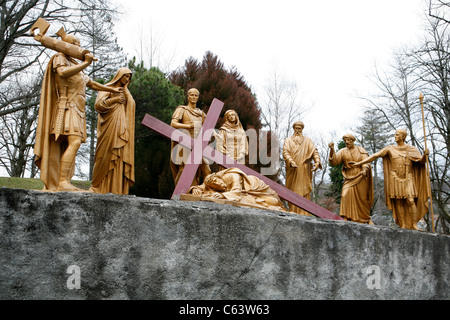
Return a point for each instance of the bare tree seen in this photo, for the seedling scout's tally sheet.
(373, 134)
(424, 69)
(147, 43)
(397, 98)
(149, 47)
(21, 57)
(18, 51)
(18, 131)
(281, 107)
(321, 142)
(433, 70)
(439, 10)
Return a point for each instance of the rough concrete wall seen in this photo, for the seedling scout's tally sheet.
(136, 248)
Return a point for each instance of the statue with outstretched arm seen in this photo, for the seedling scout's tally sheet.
(405, 180)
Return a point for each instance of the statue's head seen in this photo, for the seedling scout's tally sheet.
(349, 136)
(215, 182)
(349, 140)
(193, 94)
(231, 116)
(298, 127)
(401, 134)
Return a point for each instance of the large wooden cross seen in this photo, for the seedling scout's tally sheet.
(199, 148)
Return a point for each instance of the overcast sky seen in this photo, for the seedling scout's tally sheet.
(328, 47)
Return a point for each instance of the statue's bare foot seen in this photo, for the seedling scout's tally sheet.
(417, 228)
(66, 186)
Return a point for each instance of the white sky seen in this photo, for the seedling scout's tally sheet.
(328, 47)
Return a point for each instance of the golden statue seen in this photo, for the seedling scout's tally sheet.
(405, 180)
(114, 154)
(357, 191)
(61, 121)
(231, 139)
(234, 185)
(188, 118)
(299, 152)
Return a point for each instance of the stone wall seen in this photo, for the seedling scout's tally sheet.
(90, 246)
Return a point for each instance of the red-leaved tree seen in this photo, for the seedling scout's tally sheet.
(214, 80)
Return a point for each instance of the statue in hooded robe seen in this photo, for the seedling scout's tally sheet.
(231, 139)
(114, 153)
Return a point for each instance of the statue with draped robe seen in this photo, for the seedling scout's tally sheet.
(114, 153)
(299, 154)
(357, 191)
(234, 185)
(231, 139)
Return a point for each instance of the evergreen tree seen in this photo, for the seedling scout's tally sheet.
(156, 95)
(374, 134)
(213, 80)
(336, 177)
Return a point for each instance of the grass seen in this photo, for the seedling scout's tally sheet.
(35, 184)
